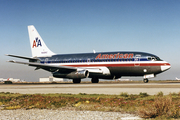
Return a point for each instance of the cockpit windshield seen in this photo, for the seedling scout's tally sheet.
(158, 59)
(154, 58)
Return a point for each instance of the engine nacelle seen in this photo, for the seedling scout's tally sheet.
(72, 75)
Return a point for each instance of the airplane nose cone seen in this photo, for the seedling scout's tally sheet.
(165, 67)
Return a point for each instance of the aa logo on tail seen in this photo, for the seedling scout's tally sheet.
(36, 43)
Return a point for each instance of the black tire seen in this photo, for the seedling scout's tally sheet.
(7, 82)
(94, 80)
(146, 80)
(76, 80)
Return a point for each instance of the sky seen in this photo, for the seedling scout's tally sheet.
(80, 26)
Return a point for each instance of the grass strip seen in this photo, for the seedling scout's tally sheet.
(146, 106)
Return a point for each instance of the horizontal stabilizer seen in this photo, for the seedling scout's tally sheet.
(22, 57)
(47, 67)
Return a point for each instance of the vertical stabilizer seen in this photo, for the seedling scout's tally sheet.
(38, 47)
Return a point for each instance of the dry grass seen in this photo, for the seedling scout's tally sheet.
(162, 106)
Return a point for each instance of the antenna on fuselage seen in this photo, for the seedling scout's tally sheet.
(94, 51)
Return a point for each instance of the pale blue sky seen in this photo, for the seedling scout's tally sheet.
(79, 26)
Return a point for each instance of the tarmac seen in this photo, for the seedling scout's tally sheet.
(89, 88)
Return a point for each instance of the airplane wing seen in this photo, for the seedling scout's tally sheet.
(51, 68)
(60, 69)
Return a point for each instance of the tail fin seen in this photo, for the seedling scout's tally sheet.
(38, 47)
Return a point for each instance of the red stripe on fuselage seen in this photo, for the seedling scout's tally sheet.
(119, 65)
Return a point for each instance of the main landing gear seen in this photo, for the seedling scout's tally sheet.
(94, 80)
(76, 80)
(145, 80)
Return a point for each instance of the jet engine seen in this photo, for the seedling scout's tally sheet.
(72, 75)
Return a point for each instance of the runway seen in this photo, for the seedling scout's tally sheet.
(100, 88)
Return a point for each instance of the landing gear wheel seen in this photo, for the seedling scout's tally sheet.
(145, 80)
(94, 80)
(76, 80)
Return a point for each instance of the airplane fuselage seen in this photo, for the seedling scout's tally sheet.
(113, 64)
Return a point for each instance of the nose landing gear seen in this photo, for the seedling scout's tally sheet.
(76, 80)
(145, 80)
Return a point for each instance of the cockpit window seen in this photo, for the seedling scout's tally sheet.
(149, 58)
(158, 59)
(153, 58)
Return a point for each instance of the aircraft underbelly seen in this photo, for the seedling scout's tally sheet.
(134, 71)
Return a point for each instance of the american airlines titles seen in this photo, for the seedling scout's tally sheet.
(114, 56)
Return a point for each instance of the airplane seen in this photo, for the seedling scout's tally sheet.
(96, 65)
(177, 78)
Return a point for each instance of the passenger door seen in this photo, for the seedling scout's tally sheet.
(137, 60)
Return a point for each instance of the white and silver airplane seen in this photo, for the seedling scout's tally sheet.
(102, 65)
(177, 78)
